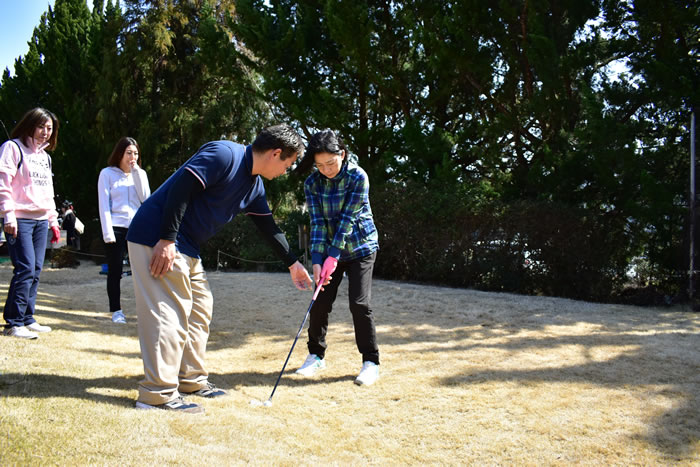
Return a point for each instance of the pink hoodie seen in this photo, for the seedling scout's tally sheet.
(26, 193)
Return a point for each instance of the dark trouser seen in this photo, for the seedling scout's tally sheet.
(360, 293)
(73, 239)
(27, 254)
(115, 264)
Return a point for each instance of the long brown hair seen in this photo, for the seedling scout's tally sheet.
(31, 121)
(118, 152)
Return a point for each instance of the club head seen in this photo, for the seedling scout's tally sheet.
(257, 403)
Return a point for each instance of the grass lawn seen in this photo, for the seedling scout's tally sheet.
(467, 377)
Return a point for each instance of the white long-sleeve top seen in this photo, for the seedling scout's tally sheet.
(120, 195)
(26, 192)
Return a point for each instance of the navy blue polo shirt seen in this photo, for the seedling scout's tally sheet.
(225, 170)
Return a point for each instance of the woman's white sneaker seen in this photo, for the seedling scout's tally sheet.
(118, 317)
(21, 332)
(36, 327)
(369, 374)
(312, 365)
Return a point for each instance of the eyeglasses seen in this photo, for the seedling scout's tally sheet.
(328, 164)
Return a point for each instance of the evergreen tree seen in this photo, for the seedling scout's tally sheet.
(499, 139)
(516, 100)
(184, 81)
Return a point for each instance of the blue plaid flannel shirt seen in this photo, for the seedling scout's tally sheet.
(342, 225)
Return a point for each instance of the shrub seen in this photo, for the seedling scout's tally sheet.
(64, 257)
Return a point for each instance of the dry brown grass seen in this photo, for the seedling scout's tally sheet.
(466, 378)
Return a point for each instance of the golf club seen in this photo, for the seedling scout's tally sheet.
(268, 402)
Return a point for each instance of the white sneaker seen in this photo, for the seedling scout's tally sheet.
(312, 365)
(118, 317)
(36, 327)
(369, 374)
(20, 331)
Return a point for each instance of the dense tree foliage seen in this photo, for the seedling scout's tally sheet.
(505, 148)
(536, 147)
(162, 72)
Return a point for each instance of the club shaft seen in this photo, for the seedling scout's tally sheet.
(306, 316)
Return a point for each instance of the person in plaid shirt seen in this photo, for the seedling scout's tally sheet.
(344, 239)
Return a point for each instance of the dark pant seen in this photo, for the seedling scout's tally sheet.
(360, 293)
(27, 254)
(115, 262)
(73, 239)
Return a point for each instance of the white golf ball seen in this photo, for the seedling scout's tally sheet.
(267, 403)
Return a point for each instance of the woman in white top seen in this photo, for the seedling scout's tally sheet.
(121, 188)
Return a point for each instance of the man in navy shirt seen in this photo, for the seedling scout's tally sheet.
(173, 300)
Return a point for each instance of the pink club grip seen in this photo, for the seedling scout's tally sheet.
(318, 289)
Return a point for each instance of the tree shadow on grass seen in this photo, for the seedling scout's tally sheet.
(37, 385)
(450, 323)
(239, 380)
(657, 361)
(676, 432)
(75, 312)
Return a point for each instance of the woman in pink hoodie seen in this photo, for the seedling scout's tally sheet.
(29, 211)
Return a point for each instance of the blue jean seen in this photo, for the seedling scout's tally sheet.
(27, 253)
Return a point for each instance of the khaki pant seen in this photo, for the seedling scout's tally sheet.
(174, 313)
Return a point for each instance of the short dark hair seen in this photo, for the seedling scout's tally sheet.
(31, 121)
(323, 141)
(118, 152)
(280, 136)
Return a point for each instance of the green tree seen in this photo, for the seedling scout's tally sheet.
(164, 72)
(183, 80)
(503, 135)
(516, 99)
(56, 74)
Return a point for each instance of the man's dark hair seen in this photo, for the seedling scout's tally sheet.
(323, 141)
(282, 137)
